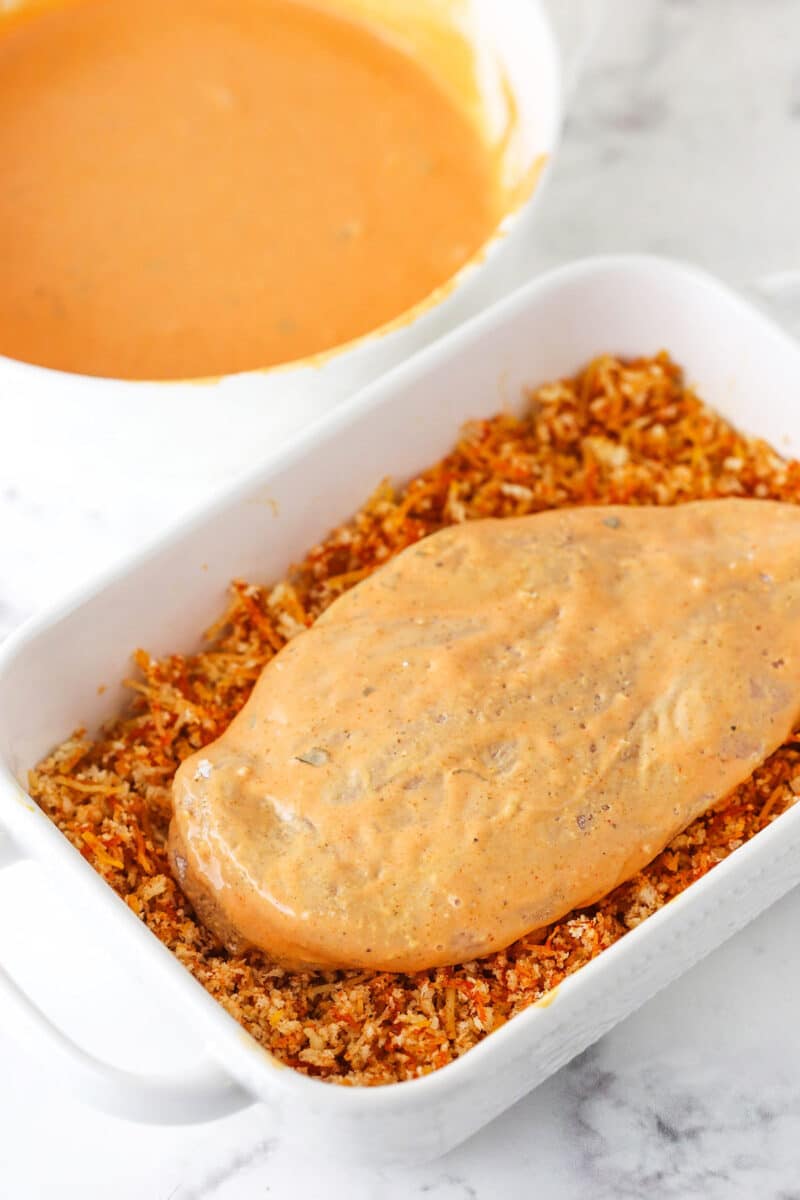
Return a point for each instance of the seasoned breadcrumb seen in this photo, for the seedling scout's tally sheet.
(618, 433)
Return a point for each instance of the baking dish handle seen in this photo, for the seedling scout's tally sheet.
(185, 1097)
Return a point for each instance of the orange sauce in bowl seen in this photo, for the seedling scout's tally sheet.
(199, 187)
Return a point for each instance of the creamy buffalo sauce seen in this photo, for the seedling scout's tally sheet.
(195, 187)
(505, 722)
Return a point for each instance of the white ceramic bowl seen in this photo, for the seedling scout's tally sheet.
(190, 435)
(49, 672)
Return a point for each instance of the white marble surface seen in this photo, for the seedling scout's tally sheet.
(683, 138)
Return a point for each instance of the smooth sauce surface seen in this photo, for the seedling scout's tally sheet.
(196, 187)
(503, 723)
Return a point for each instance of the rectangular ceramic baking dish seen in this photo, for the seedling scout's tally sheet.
(50, 671)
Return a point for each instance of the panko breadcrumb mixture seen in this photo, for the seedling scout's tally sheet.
(618, 433)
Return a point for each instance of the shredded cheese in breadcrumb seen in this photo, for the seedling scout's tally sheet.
(618, 433)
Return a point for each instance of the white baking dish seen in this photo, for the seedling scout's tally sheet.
(50, 670)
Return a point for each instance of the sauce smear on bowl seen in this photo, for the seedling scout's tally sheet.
(207, 186)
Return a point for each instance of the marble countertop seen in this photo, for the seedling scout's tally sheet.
(683, 138)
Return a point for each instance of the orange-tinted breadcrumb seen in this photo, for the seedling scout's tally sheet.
(619, 433)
